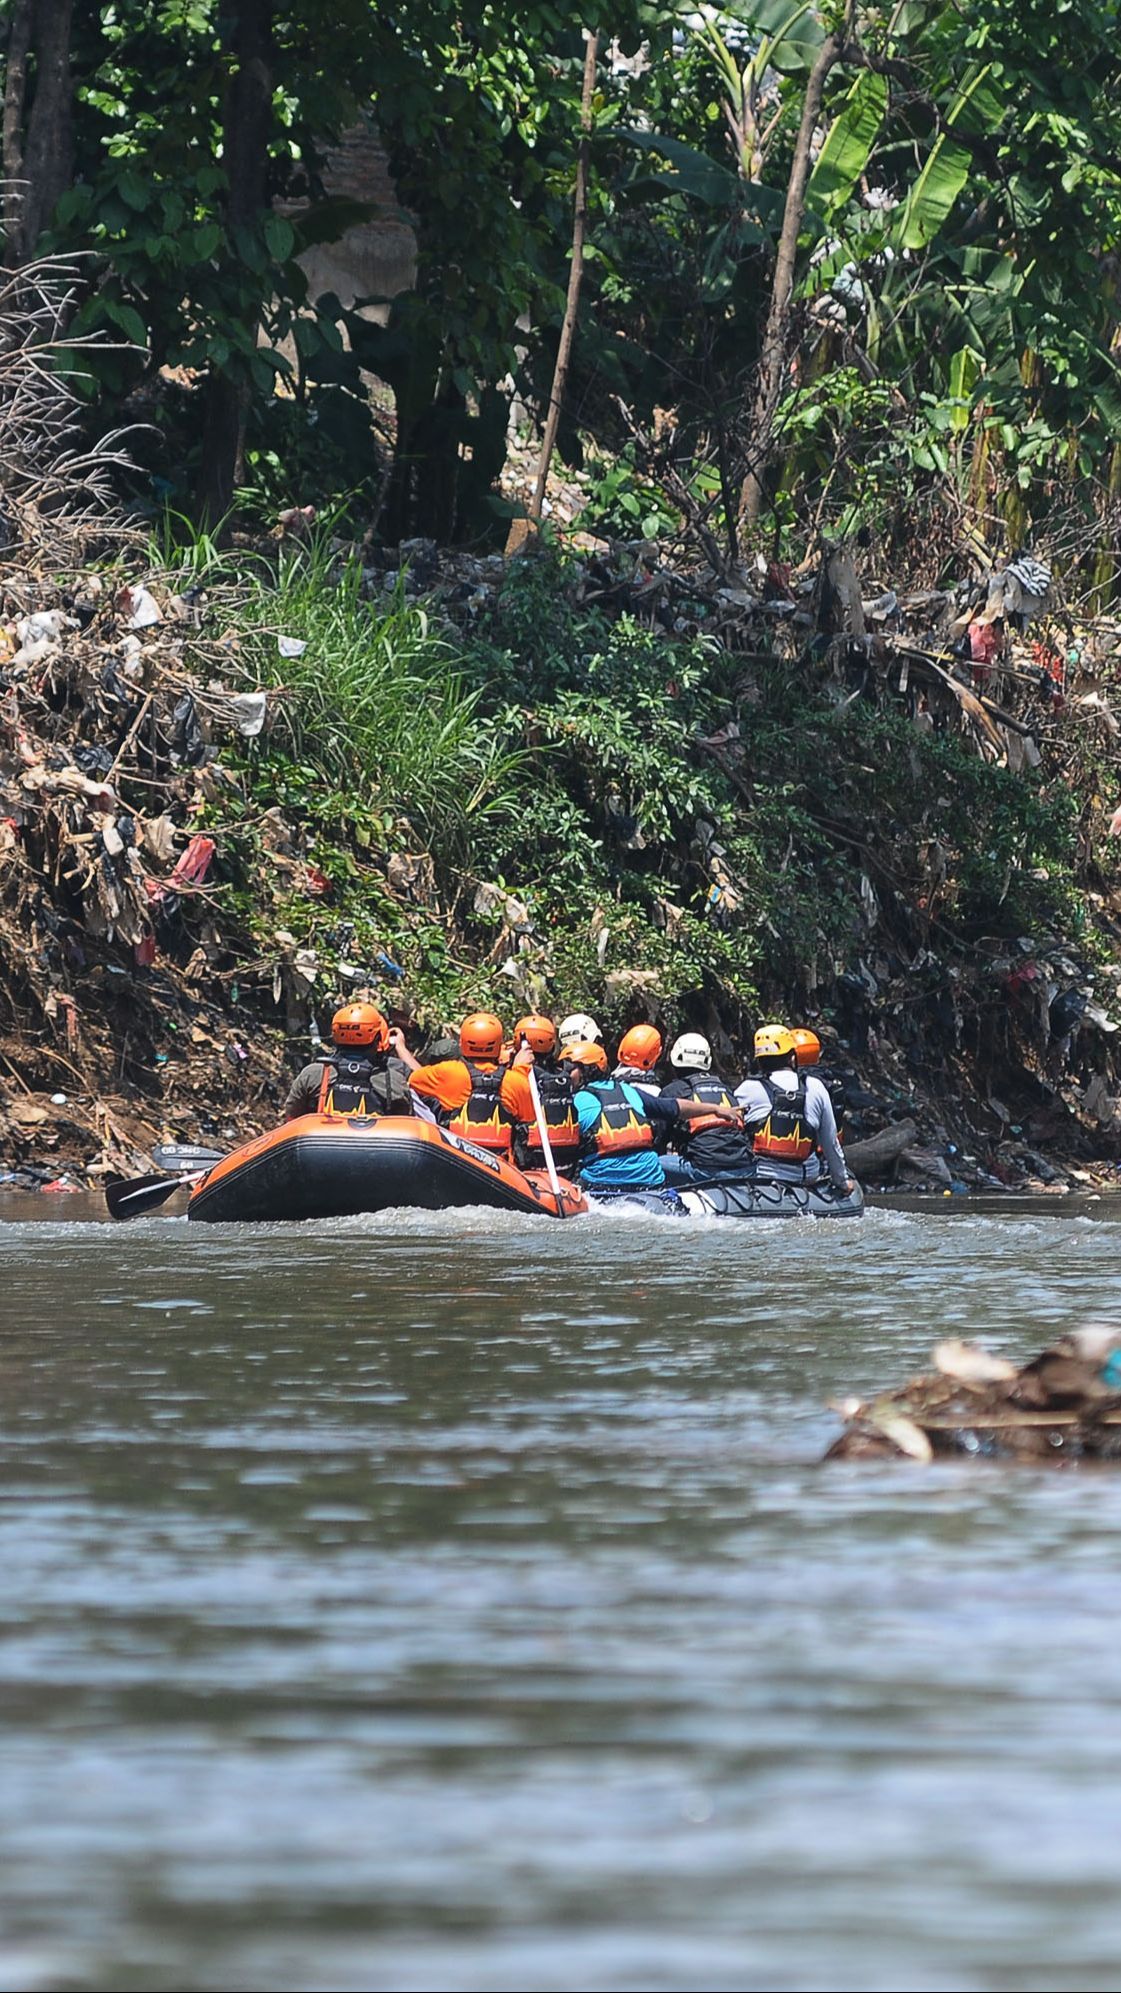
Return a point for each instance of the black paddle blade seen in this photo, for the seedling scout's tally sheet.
(185, 1156)
(131, 1196)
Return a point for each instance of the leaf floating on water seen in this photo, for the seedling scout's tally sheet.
(970, 1364)
(902, 1431)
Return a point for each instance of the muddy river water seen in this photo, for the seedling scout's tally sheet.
(459, 1604)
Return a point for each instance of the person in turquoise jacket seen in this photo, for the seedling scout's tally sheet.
(617, 1124)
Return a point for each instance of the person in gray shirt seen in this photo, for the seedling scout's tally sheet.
(789, 1116)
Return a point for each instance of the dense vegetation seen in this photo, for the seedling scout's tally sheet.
(564, 800)
(844, 263)
(849, 275)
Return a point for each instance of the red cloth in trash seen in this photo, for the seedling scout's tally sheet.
(191, 870)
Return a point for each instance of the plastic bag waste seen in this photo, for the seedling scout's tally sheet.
(247, 710)
(138, 607)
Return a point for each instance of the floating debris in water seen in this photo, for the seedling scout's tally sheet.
(1063, 1405)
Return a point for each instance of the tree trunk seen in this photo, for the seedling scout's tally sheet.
(776, 333)
(879, 1152)
(575, 277)
(49, 154)
(246, 129)
(15, 91)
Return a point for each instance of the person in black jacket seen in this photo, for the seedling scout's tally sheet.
(706, 1148)
(360, 1075)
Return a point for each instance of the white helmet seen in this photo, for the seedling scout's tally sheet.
(579, 1030)
(691, 1052)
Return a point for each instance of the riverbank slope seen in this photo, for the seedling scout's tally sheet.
(240, 786)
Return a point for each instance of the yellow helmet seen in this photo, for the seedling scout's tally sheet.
(774, 1041)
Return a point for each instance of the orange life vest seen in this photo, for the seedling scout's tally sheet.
(785, 1136)
(619, 1130)
(484, 1117)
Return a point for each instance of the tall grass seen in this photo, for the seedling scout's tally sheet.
(379, 706)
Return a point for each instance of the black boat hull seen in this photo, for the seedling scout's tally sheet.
(770, 1200)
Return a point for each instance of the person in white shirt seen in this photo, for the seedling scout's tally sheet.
(789, 1116)
(640, 1049)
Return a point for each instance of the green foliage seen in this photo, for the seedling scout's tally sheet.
(376, 715)
(848, 143)
(621, 502)
(564, 762)
(965, 202)
(962, 221)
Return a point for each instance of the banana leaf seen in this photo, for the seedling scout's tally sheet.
(934, 192)
(965, 368)
(946, 171)
(849, 142)
(790, 34)
(687, 171)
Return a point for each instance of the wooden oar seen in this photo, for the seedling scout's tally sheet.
(186, 1156)
(131, 1196)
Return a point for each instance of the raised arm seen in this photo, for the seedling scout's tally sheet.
(398, 1046)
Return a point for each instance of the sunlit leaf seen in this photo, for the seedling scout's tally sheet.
(849, 141)
(945, 173)
(965, 369)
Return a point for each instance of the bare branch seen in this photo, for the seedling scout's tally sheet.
(56, 489)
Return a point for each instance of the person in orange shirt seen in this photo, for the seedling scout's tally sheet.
(473, 1095)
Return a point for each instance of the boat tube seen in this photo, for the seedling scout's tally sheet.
(733, 1197)
(749, 1198)
(637, 1197)
(340, 1166)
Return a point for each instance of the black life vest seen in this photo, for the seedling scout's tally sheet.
(785, 1136)
(352, 1084)
(484, 1117)
(619, 1130)
(557, 1106)
(706, 1086)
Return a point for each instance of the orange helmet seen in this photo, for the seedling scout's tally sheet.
(539, 1033)
(586, 1055)
(360, 1024)
(480, 1036)
(641, 1047)
(807, 1046)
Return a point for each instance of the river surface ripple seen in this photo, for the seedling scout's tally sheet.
(458, 1603)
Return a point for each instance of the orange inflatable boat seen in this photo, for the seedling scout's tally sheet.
(337, 1166)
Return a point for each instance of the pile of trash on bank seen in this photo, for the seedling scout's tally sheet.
(1001, 656)
(116, 698)
(109, 756)
(1065, 1405)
